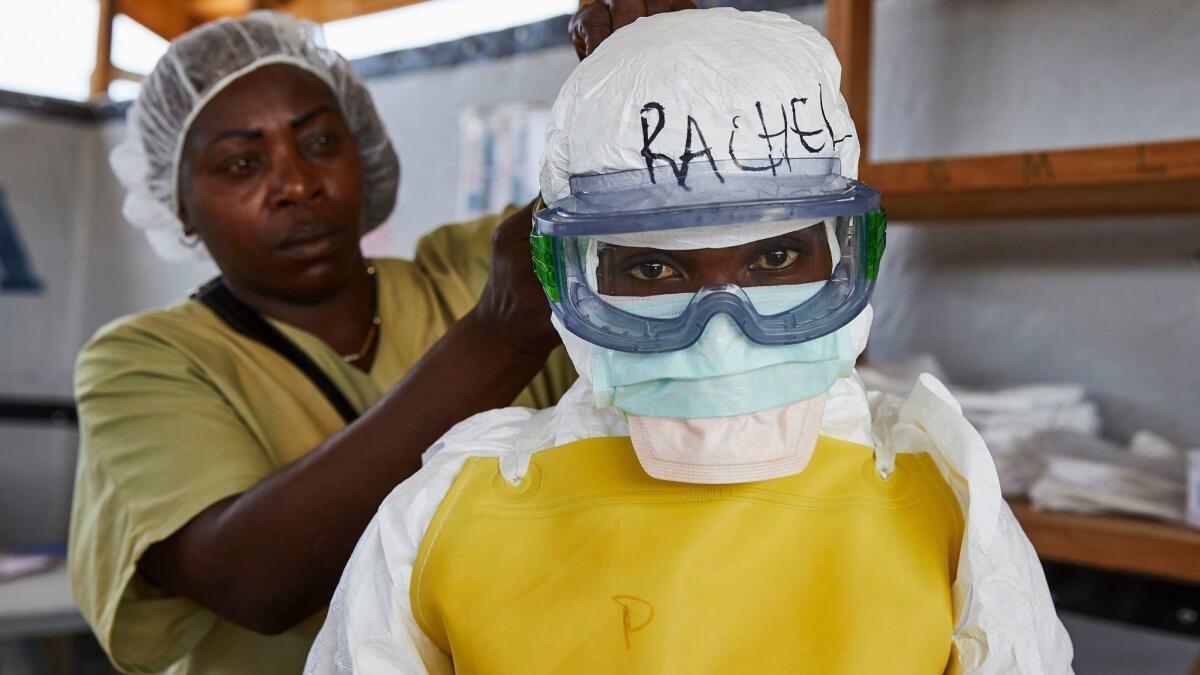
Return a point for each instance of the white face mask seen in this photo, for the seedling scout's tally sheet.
(740, 449)
(724, 373)
(755, 446)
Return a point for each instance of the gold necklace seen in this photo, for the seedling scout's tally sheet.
(373, 331)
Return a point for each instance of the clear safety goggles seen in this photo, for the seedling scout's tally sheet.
(641, 260)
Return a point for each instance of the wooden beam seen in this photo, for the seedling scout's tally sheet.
(848, 25)
(322, 11)
(1112, 543)
(172, 18)
(128, 76)
(167, 18)
(211, 10)
(1139, 179)
(102, 74)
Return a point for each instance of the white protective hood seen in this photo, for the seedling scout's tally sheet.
(738, 64)
(759, 85)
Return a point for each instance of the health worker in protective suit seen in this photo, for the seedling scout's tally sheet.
(717, 493)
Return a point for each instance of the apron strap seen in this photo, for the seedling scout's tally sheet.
(242, 318)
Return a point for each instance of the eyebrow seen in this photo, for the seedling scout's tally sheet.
(308, 116)
(236, 133)
(258, 133)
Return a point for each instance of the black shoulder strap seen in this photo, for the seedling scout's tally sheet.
(240, 317)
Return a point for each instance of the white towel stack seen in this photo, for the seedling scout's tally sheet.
(1085, 474)
(1006, 418)
(1045, 441)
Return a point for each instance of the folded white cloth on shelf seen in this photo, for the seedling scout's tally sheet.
(1085, 474)
(1044, 439)
(1006, 418)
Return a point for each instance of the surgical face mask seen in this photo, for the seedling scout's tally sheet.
(723, 373)
(768, 444)
(735, 448)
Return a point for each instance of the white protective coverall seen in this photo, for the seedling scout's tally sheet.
(1004, 620)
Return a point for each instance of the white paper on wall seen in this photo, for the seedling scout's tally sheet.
(501, 146)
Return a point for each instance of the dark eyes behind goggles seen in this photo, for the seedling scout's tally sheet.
(798, 257)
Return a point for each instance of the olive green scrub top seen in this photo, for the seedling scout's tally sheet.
(177, 411)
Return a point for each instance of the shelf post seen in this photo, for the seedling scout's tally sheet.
(848, 26)
(102, 74)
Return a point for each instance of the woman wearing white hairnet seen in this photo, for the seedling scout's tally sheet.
(716, 493)
(234, 445)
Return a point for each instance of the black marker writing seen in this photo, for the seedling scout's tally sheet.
(805, 135)
(1035, 166)
(688, 155)
(651, 128)
(767, 136)
(771, 163)
(648, 138)
(821, 100)
(680, 170)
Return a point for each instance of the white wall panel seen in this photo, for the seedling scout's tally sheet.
(45, 172)
(421, 111)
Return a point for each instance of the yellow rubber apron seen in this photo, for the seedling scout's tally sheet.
(591, 566)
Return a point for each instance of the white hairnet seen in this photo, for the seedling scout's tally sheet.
(196, 67)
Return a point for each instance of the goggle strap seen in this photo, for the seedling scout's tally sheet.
(542, 248)
(876, 241)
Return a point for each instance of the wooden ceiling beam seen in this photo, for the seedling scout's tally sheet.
(204, 11)
(172, 18)
(167, 18)
(323, 11)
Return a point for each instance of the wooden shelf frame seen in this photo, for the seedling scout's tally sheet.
(1113, 543)
(1134, 180)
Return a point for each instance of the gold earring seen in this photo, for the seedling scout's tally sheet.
(189, 240)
